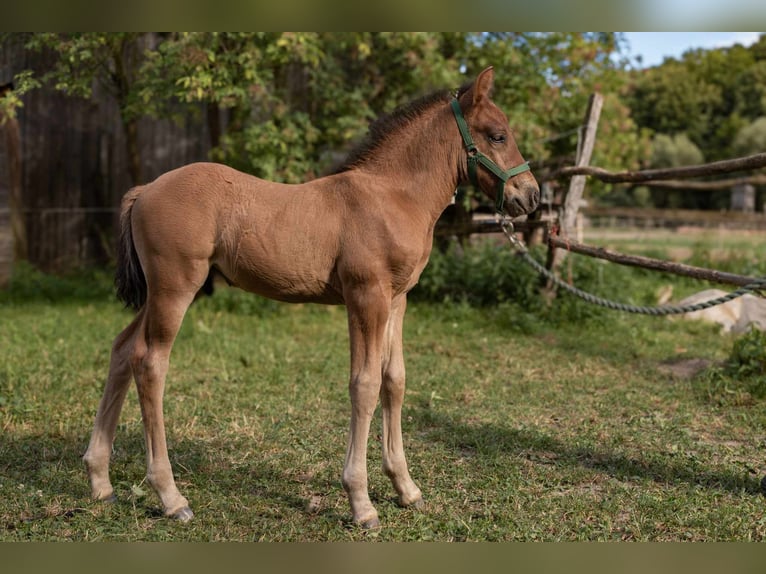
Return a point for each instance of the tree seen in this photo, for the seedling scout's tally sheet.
(708, 94)
(751, 138)
(674, 151)
(292, 101)
(285, 106)
(112, 60)
(671, 98)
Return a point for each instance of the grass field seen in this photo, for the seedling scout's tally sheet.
(515, 429)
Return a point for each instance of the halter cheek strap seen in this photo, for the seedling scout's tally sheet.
(475, 157)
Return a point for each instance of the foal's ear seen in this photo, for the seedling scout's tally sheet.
(482, 87)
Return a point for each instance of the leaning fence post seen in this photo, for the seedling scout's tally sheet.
(573, 197)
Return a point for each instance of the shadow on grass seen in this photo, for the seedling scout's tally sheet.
(491, 440)
(38, 469)
(265, 490)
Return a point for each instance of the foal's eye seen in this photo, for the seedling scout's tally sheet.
(497, 138)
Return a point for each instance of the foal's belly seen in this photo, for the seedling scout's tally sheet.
(287, 288)
(280, 275)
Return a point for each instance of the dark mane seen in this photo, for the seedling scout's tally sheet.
(384, 126)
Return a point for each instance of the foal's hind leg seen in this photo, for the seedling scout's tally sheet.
(392, 398)
(100, 447)
(164, 312)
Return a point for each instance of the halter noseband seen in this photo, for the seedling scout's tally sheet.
(476, 157)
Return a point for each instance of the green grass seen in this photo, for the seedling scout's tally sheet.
(516, 428)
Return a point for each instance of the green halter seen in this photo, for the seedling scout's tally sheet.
(476, 157)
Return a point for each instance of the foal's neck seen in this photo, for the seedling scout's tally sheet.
(423, 161)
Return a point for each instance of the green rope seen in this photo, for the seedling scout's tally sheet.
(661, 310)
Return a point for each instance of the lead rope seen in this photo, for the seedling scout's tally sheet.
(507, 226)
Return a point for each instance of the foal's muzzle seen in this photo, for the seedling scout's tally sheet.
(521, 198)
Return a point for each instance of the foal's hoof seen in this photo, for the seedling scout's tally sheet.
(370, 524)
(111, 499)
(183, 515)
(417, 504)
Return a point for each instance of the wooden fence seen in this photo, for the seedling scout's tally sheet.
(672, 218)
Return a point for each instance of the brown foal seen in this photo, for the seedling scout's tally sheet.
(360, 237)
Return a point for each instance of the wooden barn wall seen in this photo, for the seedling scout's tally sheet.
(74, 166)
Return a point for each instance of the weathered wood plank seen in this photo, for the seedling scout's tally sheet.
(746, 163)
(650, 263)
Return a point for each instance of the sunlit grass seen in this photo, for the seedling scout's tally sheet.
(517, 425)
(564, 434)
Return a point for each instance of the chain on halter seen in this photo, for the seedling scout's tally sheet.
(475, 157)
(507, 226)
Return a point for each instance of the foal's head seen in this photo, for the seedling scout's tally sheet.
(492, 137)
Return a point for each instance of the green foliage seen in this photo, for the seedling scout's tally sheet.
(751, 139)
(741, 378)
(86, 58)
(480, 274)
(674, 151)
(293, 102)
(487, 274)
(709, 95)
(288, 106)
(204, 67)
(284, 148)
(11, 100)
(294, 99)
(748, 357)
(671, 99)
(28, 284)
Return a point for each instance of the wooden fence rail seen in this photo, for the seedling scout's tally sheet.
(650, 263)
(747, 163)
(653, 216)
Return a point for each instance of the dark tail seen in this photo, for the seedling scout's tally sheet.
(129, 279)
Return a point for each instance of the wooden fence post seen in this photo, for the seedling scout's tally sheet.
(573, 197)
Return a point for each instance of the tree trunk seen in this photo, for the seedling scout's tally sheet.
(214, 124)
(18, 227)
(134, 155)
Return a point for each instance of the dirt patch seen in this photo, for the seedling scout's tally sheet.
(684, 369)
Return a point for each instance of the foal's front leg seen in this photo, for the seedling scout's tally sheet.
(368, 311)
(392, 398)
